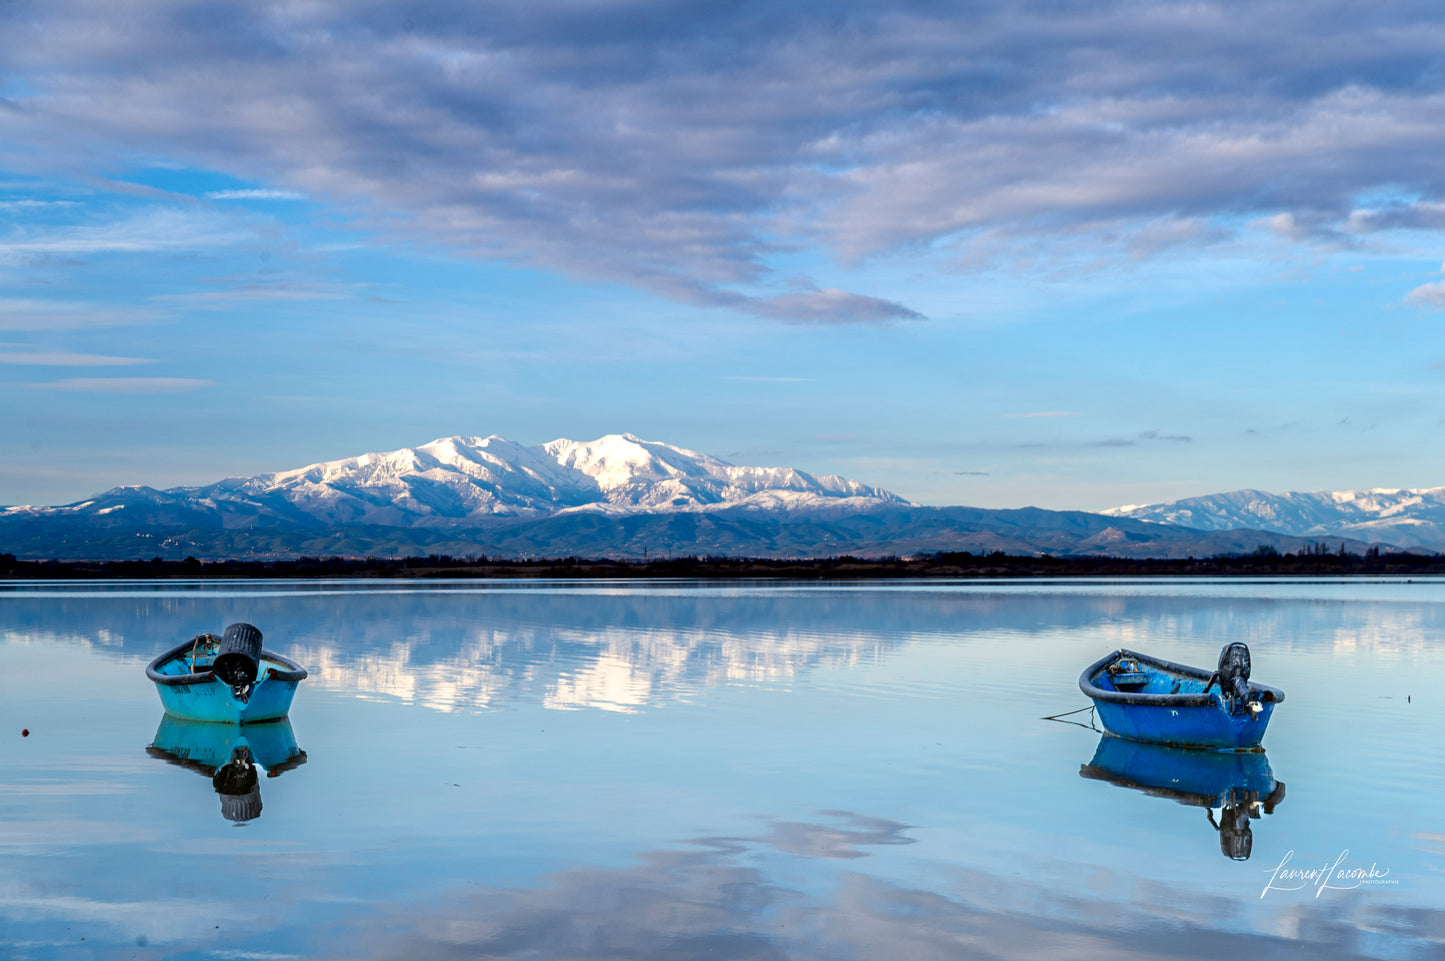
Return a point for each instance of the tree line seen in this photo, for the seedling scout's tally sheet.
(1318, 559)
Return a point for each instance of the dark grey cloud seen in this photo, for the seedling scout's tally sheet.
(686, 148)
(832, 306)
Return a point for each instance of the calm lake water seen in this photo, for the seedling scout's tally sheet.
(718, 770)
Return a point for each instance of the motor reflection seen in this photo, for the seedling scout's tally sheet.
(230, 755)
(1240, 785)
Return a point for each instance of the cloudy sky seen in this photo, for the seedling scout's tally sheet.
(993, 253)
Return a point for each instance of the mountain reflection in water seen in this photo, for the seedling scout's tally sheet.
(1241, 785)
(229, 754)
(626, 647)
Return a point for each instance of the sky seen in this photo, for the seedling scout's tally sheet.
(998, 253)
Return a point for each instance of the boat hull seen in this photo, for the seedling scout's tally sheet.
(1210, 726)
(189, 690)
(1167, 703)
(211, 701)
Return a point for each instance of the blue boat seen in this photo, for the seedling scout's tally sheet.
(229, 754)
(1147, 699)
(225, 680)
(1242, 786)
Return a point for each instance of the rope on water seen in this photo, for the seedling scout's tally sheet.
(1060, 718)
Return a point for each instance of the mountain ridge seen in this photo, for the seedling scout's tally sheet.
(1403, 517)
(880, 531)
(467, 479)
(617, 496)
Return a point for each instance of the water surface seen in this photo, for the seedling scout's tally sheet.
(755, 770)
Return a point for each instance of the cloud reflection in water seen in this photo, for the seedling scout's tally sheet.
(714, 902)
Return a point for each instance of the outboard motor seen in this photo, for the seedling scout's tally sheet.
(1234, 674)
(238, 659)
(1234, 669)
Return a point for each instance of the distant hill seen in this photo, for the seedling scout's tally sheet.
(617, 496)
(1405, 518)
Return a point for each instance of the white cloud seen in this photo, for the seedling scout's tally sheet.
(125, 385)
(244, 293)
(33, 314)
(32, 204)
(147, 232)
(1428, 295)
(1045, 413)
(39, 358)
(255, 195)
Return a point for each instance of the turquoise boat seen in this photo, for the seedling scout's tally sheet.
(225, 680)
(1147, 699)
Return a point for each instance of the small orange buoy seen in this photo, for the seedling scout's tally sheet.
(25, 732)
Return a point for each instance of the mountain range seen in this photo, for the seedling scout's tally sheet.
(616, 496)
(1401, 517)
(463, 481)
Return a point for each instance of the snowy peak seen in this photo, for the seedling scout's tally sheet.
(1405, 517)
(459, 479)
(618, 460)
(647, 475)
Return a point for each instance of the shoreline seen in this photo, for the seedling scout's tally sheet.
(945, 565)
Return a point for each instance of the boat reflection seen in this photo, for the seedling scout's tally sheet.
(1240, 785)
(229, 754)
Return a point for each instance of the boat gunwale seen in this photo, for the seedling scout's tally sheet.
(291, 670)
(1092, 690)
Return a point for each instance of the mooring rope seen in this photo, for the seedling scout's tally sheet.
(1060, 718)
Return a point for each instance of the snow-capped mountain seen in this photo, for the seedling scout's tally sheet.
(1402, 517)
(456, 480)
(615, 496)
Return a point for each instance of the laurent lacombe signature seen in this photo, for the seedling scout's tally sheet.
(1327, 877)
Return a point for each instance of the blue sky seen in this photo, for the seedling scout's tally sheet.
(991, 253)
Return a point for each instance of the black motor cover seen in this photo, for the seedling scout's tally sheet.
(1234, 671)
(239, 657)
